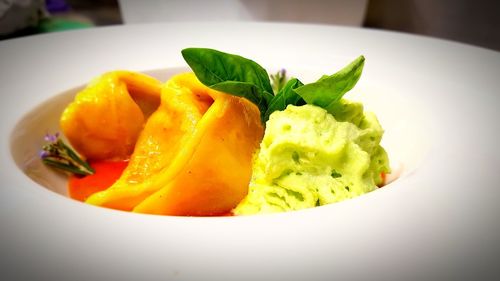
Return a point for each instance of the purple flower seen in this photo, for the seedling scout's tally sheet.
(43, 154)
(51, 138)
(59, 155)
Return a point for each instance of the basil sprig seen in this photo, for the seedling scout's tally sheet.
(330, 89)
(284, 97)
(243, 77)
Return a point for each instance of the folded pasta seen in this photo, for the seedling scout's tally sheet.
(193, 157)
(105, 119)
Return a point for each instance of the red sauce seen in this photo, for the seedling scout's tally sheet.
(106, 173)
(384, 178)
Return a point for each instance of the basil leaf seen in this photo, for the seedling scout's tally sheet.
(213, 67)
(329, 89)
(285, 97)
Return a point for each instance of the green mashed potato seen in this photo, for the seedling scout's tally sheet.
(309, 157)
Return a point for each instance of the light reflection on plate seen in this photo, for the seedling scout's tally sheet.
(436, 100)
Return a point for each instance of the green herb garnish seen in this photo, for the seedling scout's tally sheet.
(330, 89)
(59, 155)
(278, 80)
(242, 77)
(231, 74)
(284, 97)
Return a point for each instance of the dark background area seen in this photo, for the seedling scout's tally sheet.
(467, 21)
(472, 22)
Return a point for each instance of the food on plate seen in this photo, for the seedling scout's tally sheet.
(223, 139)
(193, 156)
(310, 158)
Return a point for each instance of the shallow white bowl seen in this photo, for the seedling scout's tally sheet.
(436, 100)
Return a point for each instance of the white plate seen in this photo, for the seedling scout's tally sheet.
(436, 100)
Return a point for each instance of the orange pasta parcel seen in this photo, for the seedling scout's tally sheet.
(193, 157)
(106, 118)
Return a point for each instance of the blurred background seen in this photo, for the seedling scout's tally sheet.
(475, 22)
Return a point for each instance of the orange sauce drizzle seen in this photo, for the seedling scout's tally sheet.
(106, 173)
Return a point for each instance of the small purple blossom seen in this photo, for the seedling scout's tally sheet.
(59, 155)
(43, 154)
(51, 138)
